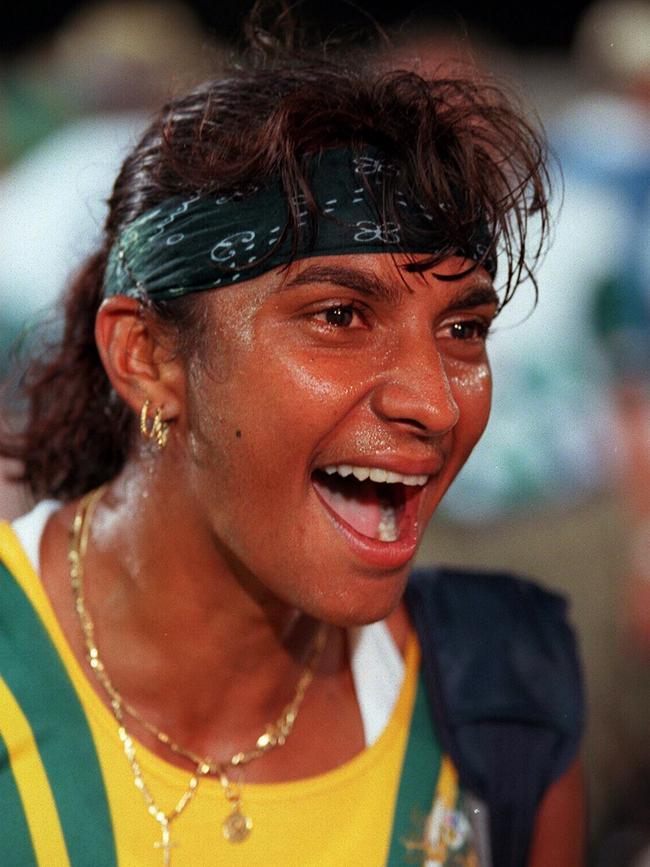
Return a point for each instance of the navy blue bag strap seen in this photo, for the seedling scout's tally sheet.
(503, 680)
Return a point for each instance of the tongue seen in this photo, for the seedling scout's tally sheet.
(357, 503)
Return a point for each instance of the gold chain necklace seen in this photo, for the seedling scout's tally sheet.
(236, 826)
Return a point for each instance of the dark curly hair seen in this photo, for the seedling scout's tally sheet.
(448, 134)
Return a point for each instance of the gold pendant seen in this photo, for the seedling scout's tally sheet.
(237, 827)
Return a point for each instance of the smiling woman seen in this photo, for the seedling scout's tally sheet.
(211, 648)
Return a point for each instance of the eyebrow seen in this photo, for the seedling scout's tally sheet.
(366, 283)
(475, 296)
(362, 281)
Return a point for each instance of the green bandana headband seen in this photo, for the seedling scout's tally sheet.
(206, 241)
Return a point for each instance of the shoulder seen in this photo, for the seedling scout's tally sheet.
(499, 648)
(11, 547)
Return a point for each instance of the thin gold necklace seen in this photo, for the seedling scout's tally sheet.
(237, 825)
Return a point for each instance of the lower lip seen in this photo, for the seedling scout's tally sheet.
(385, 555)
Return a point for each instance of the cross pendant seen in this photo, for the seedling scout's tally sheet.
(165, 844)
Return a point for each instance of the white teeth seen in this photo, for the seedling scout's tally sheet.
(415, 481)
(376, 474)
(387, 529)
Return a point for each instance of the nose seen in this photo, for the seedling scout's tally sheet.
(415, 393)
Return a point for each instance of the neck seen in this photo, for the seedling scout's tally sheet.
(225, 655)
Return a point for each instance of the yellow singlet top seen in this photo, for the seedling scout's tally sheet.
(342, 817)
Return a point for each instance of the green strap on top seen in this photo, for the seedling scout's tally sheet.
(420, 773)
(16, 839)
(34, 673)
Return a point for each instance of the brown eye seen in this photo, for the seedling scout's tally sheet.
(341, 316)
(471, 329)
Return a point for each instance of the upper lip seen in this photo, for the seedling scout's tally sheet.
(407, 466)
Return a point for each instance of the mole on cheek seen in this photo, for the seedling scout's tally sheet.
(238, 434)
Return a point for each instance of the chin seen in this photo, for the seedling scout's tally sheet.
(360, 603)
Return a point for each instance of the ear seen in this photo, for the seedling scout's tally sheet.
(140, 360)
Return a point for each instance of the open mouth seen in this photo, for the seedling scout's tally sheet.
(375, 503)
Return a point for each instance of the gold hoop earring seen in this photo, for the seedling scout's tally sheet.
(157, 430)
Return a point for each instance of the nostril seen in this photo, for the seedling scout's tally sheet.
(411, 422)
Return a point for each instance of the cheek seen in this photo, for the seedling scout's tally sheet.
(310, 394)
(309, 380)
(472, 391)
(257, 425)
(316, 377)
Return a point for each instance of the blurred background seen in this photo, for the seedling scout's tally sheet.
(559, 488)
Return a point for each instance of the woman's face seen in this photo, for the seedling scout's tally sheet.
(328, 410)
